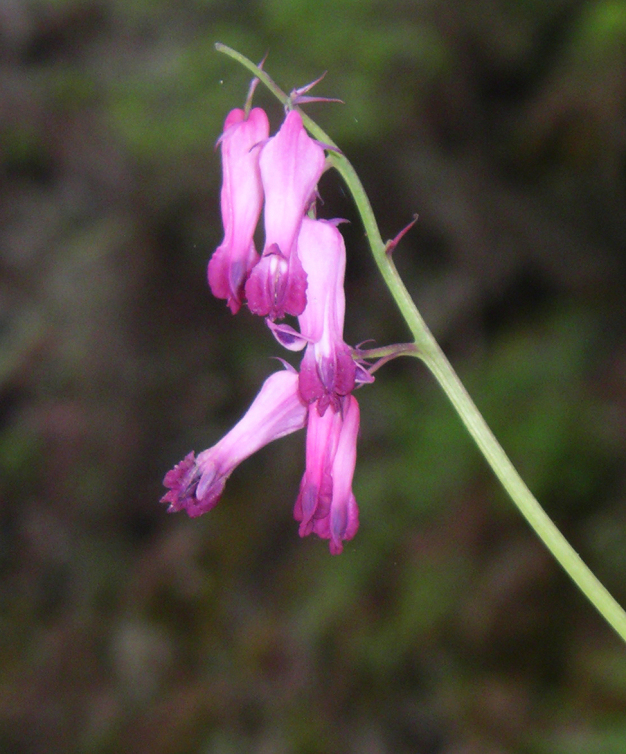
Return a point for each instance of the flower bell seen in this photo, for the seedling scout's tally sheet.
(242, 200)
(291, 164)
(196, 484)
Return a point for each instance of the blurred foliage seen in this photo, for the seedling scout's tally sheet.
(444, 628)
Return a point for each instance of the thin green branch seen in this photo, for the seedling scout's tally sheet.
(427, 349)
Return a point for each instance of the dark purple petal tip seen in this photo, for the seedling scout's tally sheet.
(181, 482)
(191, 489)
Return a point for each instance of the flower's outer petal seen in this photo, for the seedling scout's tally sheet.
(241, 200)
(228, 274)
(291, 164)
(316, 489)
(344, 513)
(322, 251)
(311, 387)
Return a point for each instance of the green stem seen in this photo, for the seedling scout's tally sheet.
(386, 352)
(427, 349)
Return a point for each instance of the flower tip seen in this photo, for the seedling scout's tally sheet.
(335, 547)
(181, 482)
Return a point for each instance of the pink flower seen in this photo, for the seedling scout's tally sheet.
(327, 372)
(291, 164)
(242, 199)
(195, 484)
(326, 505)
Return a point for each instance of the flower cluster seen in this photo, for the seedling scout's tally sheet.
(300, 272)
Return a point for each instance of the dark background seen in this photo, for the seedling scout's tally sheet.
(445, 627)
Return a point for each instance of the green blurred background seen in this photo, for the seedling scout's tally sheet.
(444, 628)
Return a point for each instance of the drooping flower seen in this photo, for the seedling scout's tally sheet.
(326, 505)
(327, 372)
(242, 200)
(195, 484)
(291, 164)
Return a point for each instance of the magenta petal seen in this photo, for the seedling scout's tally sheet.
(291, 164)
(267, 283)
(343, 521)
(227, 275)
(311, 387)
(181, 482)
(344, 516)
(241, 200)
(337, 371)
(322, 253)
(289, 338)
(327, 379)
(195, 484)
(313, 502)
(362, 375)
(344, 525)
(277, 285)
(316, 489)
(326, 505)
(208, 495)
(327, 372)
(295, 295)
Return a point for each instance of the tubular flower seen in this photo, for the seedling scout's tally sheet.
(326, 505)
(327, 372)
(291, 164)
(195, 484)
(242, 200)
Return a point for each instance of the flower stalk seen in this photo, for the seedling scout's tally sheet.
(426, 348)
